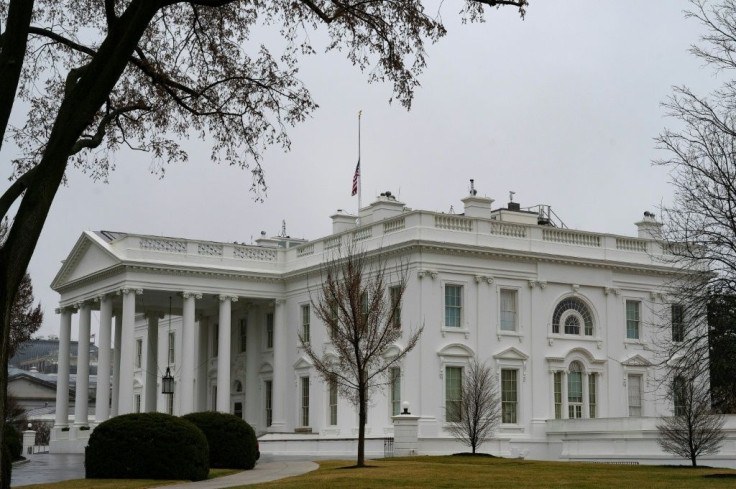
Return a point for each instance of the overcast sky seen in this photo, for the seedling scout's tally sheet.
(561, 108)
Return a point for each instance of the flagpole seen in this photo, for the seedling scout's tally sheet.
(360, 177)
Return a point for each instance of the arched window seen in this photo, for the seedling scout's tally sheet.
(574, 315)
(575, 391)
(238, 386)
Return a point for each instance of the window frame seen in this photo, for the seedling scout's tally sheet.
(304, 401)
(171, 352)
(243, 335)
(678, 327)
(447, 369)
(515, 326)
(268, 402)
(457, 308)
(268, 337)
(585, 331)
(633, 324)
(395, 301)
(139, 353)
(395, 390)
(640, 407)
(511, 403)
(332, 402)
(305, 319)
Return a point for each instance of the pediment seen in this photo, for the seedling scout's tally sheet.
(302, 363)
(266, 368)
(511, 354)
(392, 351)
(456, 350)
(636, 361)
(88, 257)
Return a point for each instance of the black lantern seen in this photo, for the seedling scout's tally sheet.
(167, 382)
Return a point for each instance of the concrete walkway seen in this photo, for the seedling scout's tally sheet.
(43, 468)
(263, 472)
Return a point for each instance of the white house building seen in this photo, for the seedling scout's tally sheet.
(567, 319)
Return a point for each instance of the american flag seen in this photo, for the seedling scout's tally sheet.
(355, 179)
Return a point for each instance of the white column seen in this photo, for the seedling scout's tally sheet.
(151, 368)
(188, 366)
(280, 383)
(62, 379)
(586, 410)
(116, 366)
(565, 410)
(82, 387)
(127, 353)
(552, 390)
(252, 357)
(223, 354)
(102, 403)
(202, 365)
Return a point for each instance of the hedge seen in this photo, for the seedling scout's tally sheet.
(147, 446)
(13, 441)
(232, 441)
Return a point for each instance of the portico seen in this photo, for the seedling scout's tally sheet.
(203, 340)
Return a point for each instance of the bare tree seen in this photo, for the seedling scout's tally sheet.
(98, 75)
(693, 429)
(699, 233)
(477, 414)
(360, 304)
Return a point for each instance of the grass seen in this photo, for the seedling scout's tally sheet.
(465, 472)
(481, 472)
(121, 483)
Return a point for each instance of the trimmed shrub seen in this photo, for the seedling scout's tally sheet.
(232, 441)
(13, 441)
(147, 446)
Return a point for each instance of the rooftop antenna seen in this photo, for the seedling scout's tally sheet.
(473, 192)
(511, 195)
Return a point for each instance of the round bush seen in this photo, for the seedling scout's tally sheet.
(232, 441)
(147, 446)
(11, 437)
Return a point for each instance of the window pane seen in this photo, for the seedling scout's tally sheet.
(508, 310)
(269, 402)
(171, 347)
(395, 391)
(243, 335)
(453, 305)
(305, 401)
(395, 306)
(678, 324)
(574, 387)
(305, 323)
(592, 401)
(333, 402)
(572, 325)
(453, 396)
(632, 319)
(634, 383)
(269, 330)
(508, 396)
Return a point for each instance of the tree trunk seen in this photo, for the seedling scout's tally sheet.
(75, 112)
(361, 425)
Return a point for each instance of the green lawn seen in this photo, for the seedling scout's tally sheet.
(469, 472)
(466, 472)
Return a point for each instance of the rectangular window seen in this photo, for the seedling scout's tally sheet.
(592, 400)
(243, 335)
(508, 309)
(558, 394)
(453, 393)
(138, 354)
(633, 314)
(305, 401)
(171, 347)
(509, 395)
(137, 403)
(575, 395)
(238, 409)
(395, 391)
(453, 305)
(305, 323)
(333, 402)
(269, 330)
(679, 394)
(678, 323)
(395, 294)
(214, 398)
(634, 383)
(216, 340)
(269, 402)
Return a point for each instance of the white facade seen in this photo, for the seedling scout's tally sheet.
(567, 319)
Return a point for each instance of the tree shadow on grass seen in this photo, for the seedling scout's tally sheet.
(720, 476)
(357, 467)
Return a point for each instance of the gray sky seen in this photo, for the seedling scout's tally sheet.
(562, 108)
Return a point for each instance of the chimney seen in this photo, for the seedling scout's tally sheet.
(342, 221)
(477, 206)
(649, 227)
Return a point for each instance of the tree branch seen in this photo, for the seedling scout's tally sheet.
(95, 140)
(15, 190)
